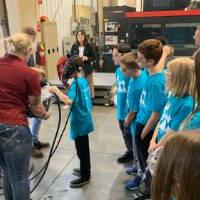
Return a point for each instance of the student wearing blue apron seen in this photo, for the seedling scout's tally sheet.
(81, 123)
(122, 83)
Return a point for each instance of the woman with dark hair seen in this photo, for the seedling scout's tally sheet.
(83, 49)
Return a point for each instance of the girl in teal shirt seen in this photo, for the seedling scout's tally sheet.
(193, 121)
(81, 123)
(180, 101)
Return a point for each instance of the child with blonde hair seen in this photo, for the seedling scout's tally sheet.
(180, 84)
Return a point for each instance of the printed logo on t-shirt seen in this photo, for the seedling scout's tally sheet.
(142, 98)
(165, 119)
(121, 86)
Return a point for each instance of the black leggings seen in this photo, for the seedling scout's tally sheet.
(83, 152)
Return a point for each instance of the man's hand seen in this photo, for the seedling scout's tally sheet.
(40, 71)
(53, 89)
(46, 115)
(166, 50)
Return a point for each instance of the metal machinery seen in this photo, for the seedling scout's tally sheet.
(114, 32)
(161, 5)
(177, 26)
(115, 26)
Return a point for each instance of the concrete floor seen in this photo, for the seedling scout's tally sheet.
(106, 145)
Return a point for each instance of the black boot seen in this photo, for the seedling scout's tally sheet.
(127, 157)
(78, 183)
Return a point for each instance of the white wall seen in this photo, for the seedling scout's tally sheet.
(61, 12)
(135, 3)
(13, 15)
(138, 5)
(63, 16)
(14, 21)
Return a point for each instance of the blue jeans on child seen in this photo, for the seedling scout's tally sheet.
(135, 156)
(142, 145)
(15, 152)
(35, 128)
(126, 133)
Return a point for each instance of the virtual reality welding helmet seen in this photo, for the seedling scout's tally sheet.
(70, 67)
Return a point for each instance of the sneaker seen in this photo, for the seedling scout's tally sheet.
(133, 184)
(78, 183)
(36, 153)
(77, 172)
(127, 157)
(132, 171)
(40, 145)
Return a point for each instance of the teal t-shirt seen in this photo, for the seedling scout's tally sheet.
(81, 122)
(122, 83)
(153, 98)
(175, 112)
(135, 88)
(194, 122)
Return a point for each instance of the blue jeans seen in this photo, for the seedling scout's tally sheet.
(142, 145)
(35, 128)
(126, 133)
(15, 151)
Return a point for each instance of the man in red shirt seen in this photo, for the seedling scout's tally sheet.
(35, 122)
(19, 91)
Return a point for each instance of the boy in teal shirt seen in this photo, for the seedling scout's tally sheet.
(152, 102)
(137, 82)
(122, 83)
(81, 123)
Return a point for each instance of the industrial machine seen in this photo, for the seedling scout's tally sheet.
(161, 5)
(177, 26)
(115, 25)
(123, 24)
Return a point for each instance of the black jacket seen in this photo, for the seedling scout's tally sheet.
(89, 52)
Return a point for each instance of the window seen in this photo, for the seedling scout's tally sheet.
(141, 32)
(4, 30)
(180, 34)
